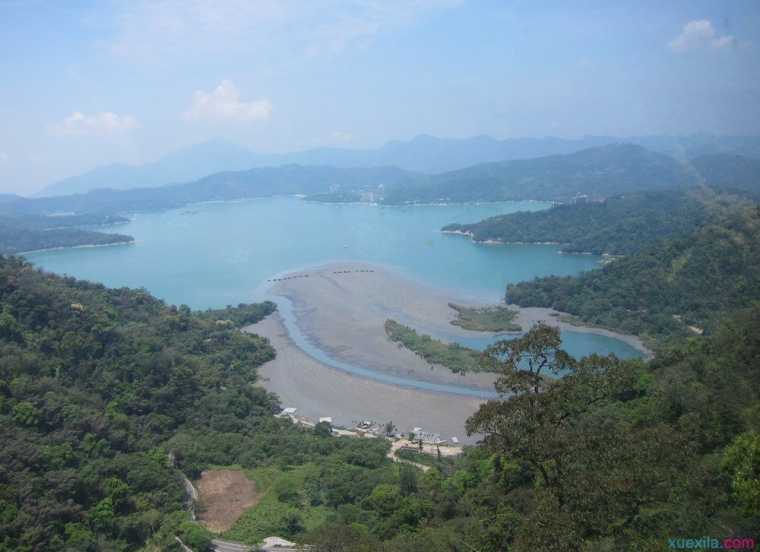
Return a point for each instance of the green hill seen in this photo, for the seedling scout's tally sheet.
(98, 386)
(731, 173)
(108, 397)
(19, 233)
(669, 285)
(619, 225)
(595, 173)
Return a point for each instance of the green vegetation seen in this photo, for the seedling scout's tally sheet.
(616, 455)
(595, 172)
(618, 226)
(669, 285)
(100, 388)
(240, 316)
(19, 233)
(284, 509)
(730, 173)
(108, 396)
(486, 319)
(442, 463)
(453, 356)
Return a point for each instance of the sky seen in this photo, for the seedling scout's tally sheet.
(88, 83)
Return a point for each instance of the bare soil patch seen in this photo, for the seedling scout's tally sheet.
(224, 496)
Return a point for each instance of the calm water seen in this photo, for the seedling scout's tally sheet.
(215, 254)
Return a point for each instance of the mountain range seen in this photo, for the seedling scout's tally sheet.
(425, 154)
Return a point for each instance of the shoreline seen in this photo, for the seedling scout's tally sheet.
(340, 309)
(318, 390)
(82, 246)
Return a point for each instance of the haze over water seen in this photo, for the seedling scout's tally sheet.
(214, 254)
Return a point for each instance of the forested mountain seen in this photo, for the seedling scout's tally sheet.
(20, 233)
(729, 172)
(423, 153)
(108, 397)
(98, 385)
(619, 225)
(225, 186)
(596, 173)
(669, 285)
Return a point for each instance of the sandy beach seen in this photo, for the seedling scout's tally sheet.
(341, 308)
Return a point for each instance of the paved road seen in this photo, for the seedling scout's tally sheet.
(229, 546)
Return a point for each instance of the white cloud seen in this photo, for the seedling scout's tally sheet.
(699, 34)
(223, 104)
(101, 124)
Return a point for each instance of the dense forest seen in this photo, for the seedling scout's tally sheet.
(19, 233)
(620, 225)
(676, 286)
(108, 397)
(595, 172)
(98, 386)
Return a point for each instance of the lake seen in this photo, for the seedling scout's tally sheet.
(215, 254)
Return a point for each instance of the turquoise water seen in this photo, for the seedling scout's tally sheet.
(215, 254)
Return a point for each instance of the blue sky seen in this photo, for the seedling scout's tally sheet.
(89, 83)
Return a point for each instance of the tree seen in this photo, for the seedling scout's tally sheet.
(323, 429)
(742, 463)
(592, 468)
(389, 428)
(407, 479)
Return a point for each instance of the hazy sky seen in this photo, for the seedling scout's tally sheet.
(89, 83)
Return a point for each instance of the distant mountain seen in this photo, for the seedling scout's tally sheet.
(595, 173)
(423, 153)
(180, 166)
(224, 186)
(730, 172)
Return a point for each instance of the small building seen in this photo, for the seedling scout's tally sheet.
(290, 411)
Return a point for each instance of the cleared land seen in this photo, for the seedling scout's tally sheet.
(224, 496)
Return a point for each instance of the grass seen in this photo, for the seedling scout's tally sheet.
(486, 319)
(444, 464)
(284, 509)
(453, 356)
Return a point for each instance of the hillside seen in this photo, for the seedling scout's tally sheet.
(595, 173)
(731, 173)
(225, 186)
(668, 286)
(98, 385)
(620, 225)
(21, 233)
(109, 397)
